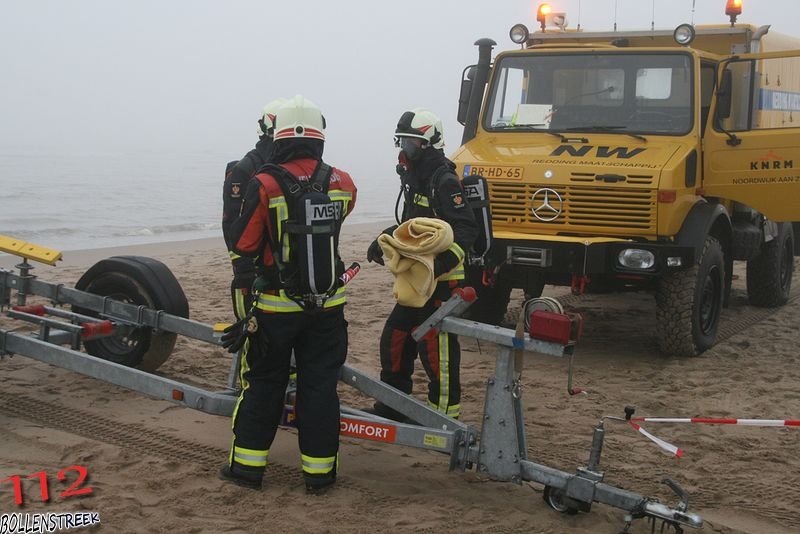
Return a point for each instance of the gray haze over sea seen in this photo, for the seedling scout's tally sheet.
(78, 200)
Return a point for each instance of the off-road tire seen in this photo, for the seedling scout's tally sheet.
(689, 304)
(135, 280)
(769, 275)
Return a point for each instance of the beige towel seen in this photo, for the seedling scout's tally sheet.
(410, 252)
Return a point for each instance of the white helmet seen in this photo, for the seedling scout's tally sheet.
(299, 118)
(266, 124)
(422, 124)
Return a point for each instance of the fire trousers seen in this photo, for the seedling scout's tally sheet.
(439, 352)
(319, 342)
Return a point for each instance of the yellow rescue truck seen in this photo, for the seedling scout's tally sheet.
(638, 160)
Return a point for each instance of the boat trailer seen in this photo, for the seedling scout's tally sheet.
(126, 311)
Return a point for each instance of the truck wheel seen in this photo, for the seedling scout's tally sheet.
(769, 275)
(689, 304)
(490, 308)
(141, 281)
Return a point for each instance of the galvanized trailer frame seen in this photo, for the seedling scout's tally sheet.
(498, 449)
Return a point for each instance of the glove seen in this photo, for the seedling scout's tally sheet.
(375, 253)
(234, 336)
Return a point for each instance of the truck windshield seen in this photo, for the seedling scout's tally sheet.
(609, 92)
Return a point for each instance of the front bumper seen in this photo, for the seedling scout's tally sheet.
(589, 256)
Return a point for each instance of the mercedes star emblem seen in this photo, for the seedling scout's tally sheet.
(547, 204)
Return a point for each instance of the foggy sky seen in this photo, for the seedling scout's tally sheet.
(189, 76)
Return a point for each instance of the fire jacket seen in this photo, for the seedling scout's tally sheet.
(258, 232)
(237, 178)
(432, 189)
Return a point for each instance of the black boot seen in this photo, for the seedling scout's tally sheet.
(246, 478)
(319, 484)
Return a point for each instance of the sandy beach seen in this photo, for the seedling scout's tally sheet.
(152, 465)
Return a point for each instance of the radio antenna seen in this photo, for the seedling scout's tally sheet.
(579, 15)
(615, 14)
(653, 18)
(693, 3)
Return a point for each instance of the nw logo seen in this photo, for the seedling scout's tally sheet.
(601, 151)
(771, 161)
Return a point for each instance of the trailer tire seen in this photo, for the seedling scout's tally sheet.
(142, 281)
(492, 302)
(689, 304)
(769, 275)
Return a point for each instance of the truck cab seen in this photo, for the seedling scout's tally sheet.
(647, 160)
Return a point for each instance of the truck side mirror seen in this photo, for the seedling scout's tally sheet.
(467, 78)
(724, 95)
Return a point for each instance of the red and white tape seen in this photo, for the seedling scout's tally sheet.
(669, 447)
(719, 421)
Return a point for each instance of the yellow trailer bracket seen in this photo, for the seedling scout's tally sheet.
(29, 250)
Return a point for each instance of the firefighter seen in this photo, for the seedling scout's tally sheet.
(430, 188)
(237, 177)
(297, 308)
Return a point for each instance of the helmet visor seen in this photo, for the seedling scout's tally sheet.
(412, 146)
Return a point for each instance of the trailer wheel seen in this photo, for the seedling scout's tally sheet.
(141, 281)
(769, 275)
(492, 302)
(689, 304)
(556, 500)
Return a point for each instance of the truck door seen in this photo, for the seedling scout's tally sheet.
(752, 147)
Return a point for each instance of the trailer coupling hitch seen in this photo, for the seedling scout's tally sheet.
(669, 519)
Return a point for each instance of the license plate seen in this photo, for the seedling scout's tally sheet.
(493, 171)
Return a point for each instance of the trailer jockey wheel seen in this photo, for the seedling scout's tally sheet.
(556, 500)
(141, 281)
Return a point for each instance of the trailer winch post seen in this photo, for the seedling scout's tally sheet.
(502, 445)
(23, 287)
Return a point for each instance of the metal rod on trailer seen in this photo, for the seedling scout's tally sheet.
(52, 323)
(397, 400)
(119, 311)
(147, 383)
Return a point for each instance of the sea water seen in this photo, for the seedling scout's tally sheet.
(79, 199)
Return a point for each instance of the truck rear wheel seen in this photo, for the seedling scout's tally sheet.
(689, 304)
(769, 275)
(141, 281)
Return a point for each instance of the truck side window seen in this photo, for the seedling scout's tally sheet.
(708, 81)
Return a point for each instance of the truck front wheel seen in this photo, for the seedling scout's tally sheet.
(769, 275)
(689, 304)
